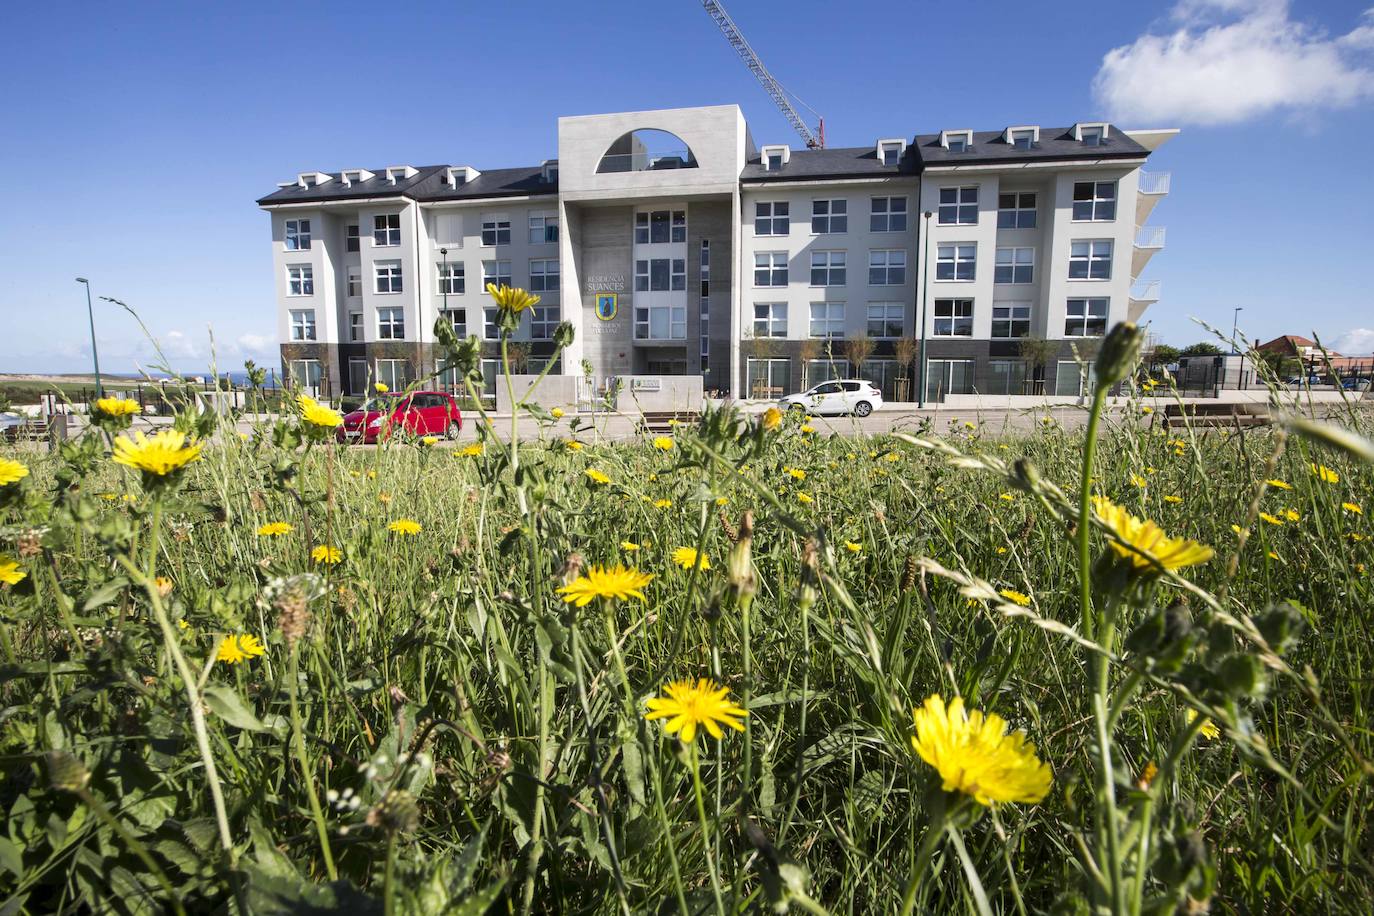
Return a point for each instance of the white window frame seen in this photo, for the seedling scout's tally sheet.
(391, 372)
(944, 368)
(1025, 138)
(352, 238)
(355, 327)
(1014, 265)
(1014, 316)
(770, 222)
(490, 329)
(676, 275)
(887, 214)
(353, 282)
(829, 215)
(544, 275)
(543, 228)
(645, 224)
(303, 324)
(895, 147)
(771, 369)
(458, 318)
(829, 263)
(1018, 215)
(772, 267)
(658, 316)
(300, 280)
(544, 321)
(887, 267)
(1076, 325)
(386, 230)
(1097, 204)
(770, 319)
(886, 317)
(297, 235)
(1092, 258)
(495, 229)
(387, 278)
(830, 324)
(959, 315)
(452, 278)
(496, 272)
(391, 322)
(955, 207)
(956, 256)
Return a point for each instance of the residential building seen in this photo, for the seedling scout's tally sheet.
(675, 245)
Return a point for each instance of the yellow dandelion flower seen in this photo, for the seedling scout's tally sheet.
(1351, 507)
(1144, 543)
(1001, 550)
(1235, 529)
(1147, 776)
(1293, 515)
(1274, 556)
(11, 472)
(428, 440)
(407, 527)
(663, 443)
(1173, 499)
(511, 299)
(1137, 480)
(1209, 728)
(1279, 484)
(109, 497)
(381, 387)
(573, 445)
(1015, 597)
(235, 649)
(183, 625)
(318, 415)
(10, 573)
(689, 706)
(471, 451)
(1356, 536)
(771, 419)
(117, 407)
(974, 754)
(384, 497)
(795, 473)
(596, 476)
(893, 456)
(163, 585)
(853, 546)
(663, 503)
(805, 499)
(614, 583)
(274, 530)
(1005, 496)
(807, 428)
(556, 413)
(371, 475)
(327, 555)
(166, 451)
(1271, 519)
(687, 557)
(968, 425)
(722, 500)
(629, 545)
(1325, 474)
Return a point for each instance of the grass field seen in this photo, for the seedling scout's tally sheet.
(428, 727)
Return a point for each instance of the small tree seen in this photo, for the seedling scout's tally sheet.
(906, 350)
(519, 355)
(808, 352)
(1037, 352)
(1201, 349)
(857, 350)
(1163, 355)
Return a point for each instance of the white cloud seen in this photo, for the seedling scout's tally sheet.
(255, 345)
(1354, 342)
(178, 346)
(1231, 60)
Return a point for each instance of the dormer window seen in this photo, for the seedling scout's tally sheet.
(957, 141)
(550, 170)
(775, 157)
(399, 173)
(350, 176)
(890, 151)
(1022, 137)
(458, 175)
(312, 179)
(1090, 134)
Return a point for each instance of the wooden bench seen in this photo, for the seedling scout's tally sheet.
(33, 429)
(1216, 415)
(663, 421)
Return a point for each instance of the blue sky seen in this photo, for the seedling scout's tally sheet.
(142, 133)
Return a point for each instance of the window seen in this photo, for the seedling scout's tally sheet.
(956, 261)
(458, 318)
(353, 285)
(948, 376)
(659, 226)
(544, 275)
(885, 320)
(891, 152)
(958, 143)
(394, 373)
(302, 324)
(770, 319)
(355, 326)
(769, 378)
(496, 273)
(298, 235)
(1090, 259)
(388, 276)
(1085, 318)
(772, 218)
(300, 280)
(1094, 201)
(661, 322)
(391, 324)
(306, 373)
(1007, 376)
(543, 321)
(452, 281)
(660, 274)
(827, 268)
(1022, 139)
(386, 230)
(489, 329)
(772, 162)
(357, 376)
(543, 228)
(1069, 381)
(829, 216)
(953, 318)
(1090, 136)
(959, 206)
(1014, 265)
(351, 244)
(887, 267)
(705, 312)
(887, 214)
(1016, 210)
(827, 319)
(770, 268)
(1011, 321)
(495, 230)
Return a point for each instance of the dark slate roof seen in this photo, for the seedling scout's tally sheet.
(1056, 144)
(822, 164)
(426, 184)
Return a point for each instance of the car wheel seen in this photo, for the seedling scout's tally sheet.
(863, 409)
(451, 431)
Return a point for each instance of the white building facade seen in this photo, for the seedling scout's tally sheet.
(676, 246)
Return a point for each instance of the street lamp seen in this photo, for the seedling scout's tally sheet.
(925, 290)
(1235, 318)
(95, 355)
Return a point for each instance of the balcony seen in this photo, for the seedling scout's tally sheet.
(1144, 294)
(1150, 190)
(1148, 240)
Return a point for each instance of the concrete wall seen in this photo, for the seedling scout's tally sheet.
(554, 391)
(601, 253)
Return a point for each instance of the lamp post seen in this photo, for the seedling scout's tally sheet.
(95, 354)
(1235, 318)
(925, 290)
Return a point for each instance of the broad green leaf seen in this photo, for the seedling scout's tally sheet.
(226, 703)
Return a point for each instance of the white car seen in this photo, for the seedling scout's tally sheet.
(857, 396)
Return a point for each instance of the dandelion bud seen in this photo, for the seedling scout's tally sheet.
(66, 773)
(397, 812)
(563, 335)
(1241, 676)
(740, 563)
(1120, 349)
(1280, 625)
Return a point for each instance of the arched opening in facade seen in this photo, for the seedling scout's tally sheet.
(646, 150)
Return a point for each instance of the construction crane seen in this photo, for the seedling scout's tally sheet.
(814, 139)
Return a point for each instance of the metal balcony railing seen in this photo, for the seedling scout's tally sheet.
(1154, 182)
(647, 162)
(1149, 237)
(1146, 290)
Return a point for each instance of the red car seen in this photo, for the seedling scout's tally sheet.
(419, 413)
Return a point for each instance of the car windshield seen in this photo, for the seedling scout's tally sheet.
(380, 405)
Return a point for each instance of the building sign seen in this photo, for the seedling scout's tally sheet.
(605, 306)
(646, 384)
(611, 282)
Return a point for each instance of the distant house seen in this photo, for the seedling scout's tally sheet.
(1292, 346)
